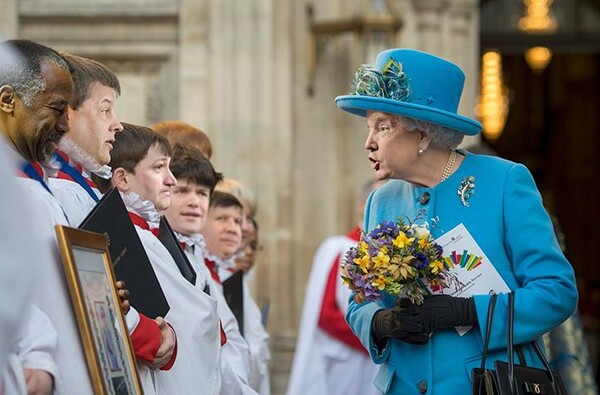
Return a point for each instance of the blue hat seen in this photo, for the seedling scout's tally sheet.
(411, 83)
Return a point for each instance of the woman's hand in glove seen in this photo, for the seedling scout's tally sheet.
(400, 322)
(445, 311)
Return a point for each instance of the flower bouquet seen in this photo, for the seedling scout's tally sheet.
(399, 258)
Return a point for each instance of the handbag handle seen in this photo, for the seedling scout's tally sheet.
(511, 358)
(488, 328)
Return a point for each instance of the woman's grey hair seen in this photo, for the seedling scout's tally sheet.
(441, 136)
(23, 71)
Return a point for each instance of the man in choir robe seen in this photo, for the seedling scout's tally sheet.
(18, 265)
(85, 150)
(34, 93)
(327, 352)
(196, 180)
(140, 166)
(27, 338)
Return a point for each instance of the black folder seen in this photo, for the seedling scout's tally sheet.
(130, 261)
(169, 240)
(233, 289)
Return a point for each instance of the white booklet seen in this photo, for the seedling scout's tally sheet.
(472, 272)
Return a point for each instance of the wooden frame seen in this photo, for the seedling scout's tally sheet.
(91, 281)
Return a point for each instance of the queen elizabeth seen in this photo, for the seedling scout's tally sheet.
(410, 100)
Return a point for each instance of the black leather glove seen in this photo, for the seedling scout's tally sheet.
(445, 311)
(401, 322)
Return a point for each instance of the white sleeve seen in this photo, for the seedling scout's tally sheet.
(74, 200)
(18, 249)
(258, 343)
(36, 344)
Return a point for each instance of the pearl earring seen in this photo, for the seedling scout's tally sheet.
(420, 151)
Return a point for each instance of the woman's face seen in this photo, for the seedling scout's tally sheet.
(223, 231)
(392, 149)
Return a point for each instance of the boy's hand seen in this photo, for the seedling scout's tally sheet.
(167, 344)
(39, 382)
(123, 296)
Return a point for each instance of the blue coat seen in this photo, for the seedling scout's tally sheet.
(507, 219)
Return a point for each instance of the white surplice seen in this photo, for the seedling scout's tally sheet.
(323, 365)
(254, 332)
(193, 315)
(235, 354)
(19, 239)
(51, 294)
(74, 200)
(33, 348)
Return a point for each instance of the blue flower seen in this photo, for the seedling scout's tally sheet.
(421, 261)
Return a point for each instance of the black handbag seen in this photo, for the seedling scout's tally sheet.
(507, 378)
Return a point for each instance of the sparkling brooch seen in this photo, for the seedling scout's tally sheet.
(466, 189)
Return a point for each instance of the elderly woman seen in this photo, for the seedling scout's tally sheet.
(410, 101)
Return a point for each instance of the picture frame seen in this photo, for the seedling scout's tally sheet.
(103, 331)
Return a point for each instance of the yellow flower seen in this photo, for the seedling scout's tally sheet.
(436, 267)
(381, 259)
(378, 282)
(401, 241)
(364, 247)
(363, 263)
(423, 243)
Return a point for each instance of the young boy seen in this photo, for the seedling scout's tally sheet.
(196, 180)
(140, 166)
(223, 235)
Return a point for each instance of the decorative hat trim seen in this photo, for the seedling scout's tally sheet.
(390, 83)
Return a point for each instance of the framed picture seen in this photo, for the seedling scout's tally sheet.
(91, 281)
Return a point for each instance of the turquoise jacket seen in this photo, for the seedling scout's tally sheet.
(506, 218)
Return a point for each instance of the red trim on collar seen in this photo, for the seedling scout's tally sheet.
(142, 223)
(212, 267)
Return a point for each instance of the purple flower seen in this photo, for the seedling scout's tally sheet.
(385, 229)
(351, 254)
(373, 250)
(384, 241)
(421, 261)
(371, 293)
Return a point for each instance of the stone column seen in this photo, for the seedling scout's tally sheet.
(430, 24)
(193, 92)
(9, 20)
(463, 44)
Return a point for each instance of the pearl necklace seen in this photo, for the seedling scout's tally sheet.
(449, 166)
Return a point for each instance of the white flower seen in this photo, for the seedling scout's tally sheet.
(421, 232)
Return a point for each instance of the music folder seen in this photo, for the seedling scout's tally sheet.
(233, 289)
(169, 240)
(129, 259)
